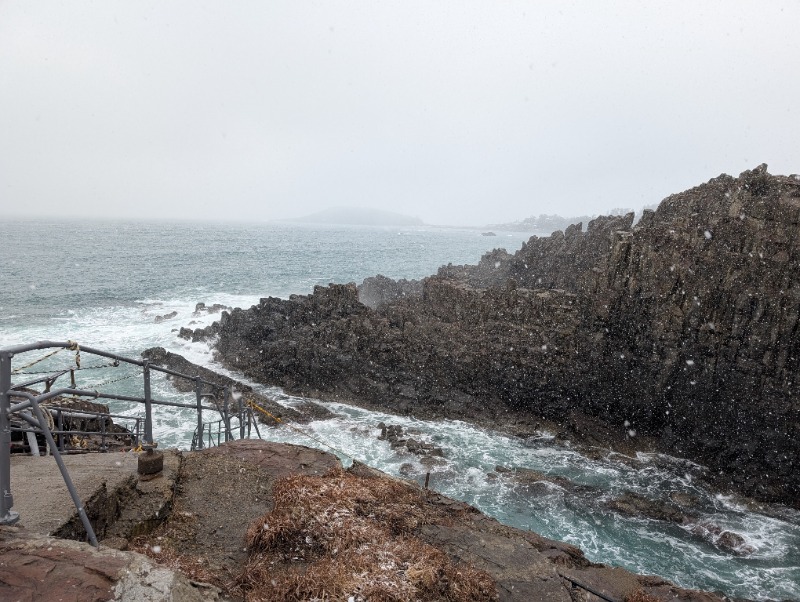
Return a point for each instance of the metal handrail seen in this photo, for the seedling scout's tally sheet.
(9, 391)
(60, 413)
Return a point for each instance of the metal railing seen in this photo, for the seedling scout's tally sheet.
(60, 432)
(27, 402)
(214, 433)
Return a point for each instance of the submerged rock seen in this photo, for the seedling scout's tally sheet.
(634, 504)
(168, 316)
(394, 434)
(725, 540)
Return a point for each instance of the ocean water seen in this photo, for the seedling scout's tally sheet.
(103, 284)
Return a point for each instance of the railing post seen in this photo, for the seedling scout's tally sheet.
(226, 419)
(148, 406)
(136, 434)
(241, 420)
(60, 430)
(199, 392)
(7, 515)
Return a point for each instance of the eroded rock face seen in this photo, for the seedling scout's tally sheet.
(379, 290)
(305, 413)
(684, 328)
(37, 567)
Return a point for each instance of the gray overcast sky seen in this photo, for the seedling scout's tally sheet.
(457, 112)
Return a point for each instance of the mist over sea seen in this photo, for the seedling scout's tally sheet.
(109, 285)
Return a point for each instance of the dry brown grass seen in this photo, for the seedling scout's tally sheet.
(342, 536)
(193, 567)
(640, 596)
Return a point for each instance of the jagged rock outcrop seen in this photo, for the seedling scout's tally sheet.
(304, 412)
(379, 290)
(684, 328)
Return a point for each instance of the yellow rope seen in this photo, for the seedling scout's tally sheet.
(297, 430)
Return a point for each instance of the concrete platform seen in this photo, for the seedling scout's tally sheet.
(42, 498)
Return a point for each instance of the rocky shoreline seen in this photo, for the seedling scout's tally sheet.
(253, 520)
(679, 334)
(683, 509)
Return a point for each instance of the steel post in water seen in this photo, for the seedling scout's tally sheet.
(241, 419)
(148, 406)
(7, 515)
(199, 393)
(226, 419)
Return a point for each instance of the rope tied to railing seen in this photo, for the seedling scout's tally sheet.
(71, 346)
(77, 349)
(34, 362)
(277, 419)
(114, 364)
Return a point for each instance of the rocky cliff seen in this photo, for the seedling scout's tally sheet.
(683, 329)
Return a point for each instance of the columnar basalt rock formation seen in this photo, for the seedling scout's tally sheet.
(684, 328)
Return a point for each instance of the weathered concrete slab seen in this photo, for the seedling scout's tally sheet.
(42, 498)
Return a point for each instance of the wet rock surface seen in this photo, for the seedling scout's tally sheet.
(725, 540)
(167, 316)
(634, 504)
(400, 439)
(304, 413)
(678, 334)
(214, 308)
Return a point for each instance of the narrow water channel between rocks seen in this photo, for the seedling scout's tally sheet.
(647, 514)
(650, 513)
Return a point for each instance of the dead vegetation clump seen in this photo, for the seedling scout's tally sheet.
(164, 554)
(640, 595)
(344, 537)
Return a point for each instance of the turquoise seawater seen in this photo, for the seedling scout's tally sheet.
(104, 284)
